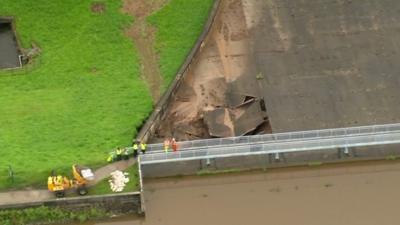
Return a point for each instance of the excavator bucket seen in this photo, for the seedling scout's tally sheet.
(82, 174)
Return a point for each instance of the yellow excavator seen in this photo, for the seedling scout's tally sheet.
(60, 184)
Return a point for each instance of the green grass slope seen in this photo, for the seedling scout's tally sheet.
(84, 98)
(179, 24)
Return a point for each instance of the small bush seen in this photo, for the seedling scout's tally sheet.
(46, 215)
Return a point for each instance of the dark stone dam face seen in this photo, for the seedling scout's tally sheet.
(9, 53)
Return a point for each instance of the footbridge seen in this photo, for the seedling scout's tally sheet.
(276, 145)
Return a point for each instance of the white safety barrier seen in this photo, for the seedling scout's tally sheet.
(278, 143)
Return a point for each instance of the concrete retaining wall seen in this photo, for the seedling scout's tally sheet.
(270, 161)
(6, 19)
(10, 19)
(158, 113)
(12, 59)
(115, 203)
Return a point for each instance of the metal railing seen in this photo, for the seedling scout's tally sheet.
(142, 198)
(280, 143)
(289, 136)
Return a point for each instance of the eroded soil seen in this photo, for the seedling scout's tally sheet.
(143, 35)
(209, 102)
(98, 7)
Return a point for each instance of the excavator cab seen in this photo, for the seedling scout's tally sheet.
(60, 184)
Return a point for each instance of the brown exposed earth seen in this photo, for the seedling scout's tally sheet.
(212, 102)
(143, 35)
(98, 7)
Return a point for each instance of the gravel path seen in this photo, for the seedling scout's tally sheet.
(28, 196)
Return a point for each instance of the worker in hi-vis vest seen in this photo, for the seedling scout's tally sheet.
(135, 149)
(119, 153)
(143, 147)
(166, 145)
(174, 145)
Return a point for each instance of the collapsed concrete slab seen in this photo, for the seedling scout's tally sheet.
(252, 117)
(219, 122)
(226, 122)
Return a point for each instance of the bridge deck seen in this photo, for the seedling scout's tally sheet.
(280, 143)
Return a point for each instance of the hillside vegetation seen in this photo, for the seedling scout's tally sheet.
(82, 99)
(178, 24)
(84, 95)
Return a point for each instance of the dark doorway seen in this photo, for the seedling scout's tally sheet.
(9, 52)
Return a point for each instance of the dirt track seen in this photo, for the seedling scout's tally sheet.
(316, 65)
(142, 35)
(27, 196)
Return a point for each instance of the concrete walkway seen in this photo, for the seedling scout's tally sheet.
(28, 196)
(15, 197)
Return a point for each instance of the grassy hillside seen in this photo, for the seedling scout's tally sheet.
(84, 98)
(179, 23)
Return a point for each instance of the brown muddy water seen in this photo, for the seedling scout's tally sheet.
(352, 194)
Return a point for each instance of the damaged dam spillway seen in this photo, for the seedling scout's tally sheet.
(280, 65)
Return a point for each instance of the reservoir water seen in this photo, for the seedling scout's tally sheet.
(353, 194)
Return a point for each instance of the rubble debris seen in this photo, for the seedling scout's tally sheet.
(118, 180)
(250, 120)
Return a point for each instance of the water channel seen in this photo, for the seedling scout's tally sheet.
(353, 194)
